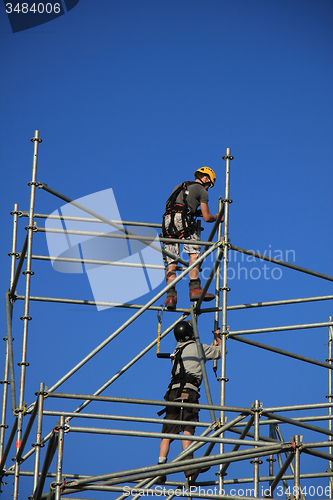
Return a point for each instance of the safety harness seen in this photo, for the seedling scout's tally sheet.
(182, 377)
(171, 208)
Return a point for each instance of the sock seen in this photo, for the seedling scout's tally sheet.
(162, 460)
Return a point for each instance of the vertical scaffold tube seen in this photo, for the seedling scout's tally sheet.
(330, 399)
(297, 484)
(59, 458)
(13, 254)
(25, 318)
(9, 350)
(3, 425)
(6, 380)
(256, 411)
(38, 443)
(224, 329)
(271, 458)
(217, 284)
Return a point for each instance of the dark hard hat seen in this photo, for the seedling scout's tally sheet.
(183, 331)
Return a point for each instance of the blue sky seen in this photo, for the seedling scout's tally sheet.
(135, 96)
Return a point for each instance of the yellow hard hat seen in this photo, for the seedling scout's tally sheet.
(208, 171)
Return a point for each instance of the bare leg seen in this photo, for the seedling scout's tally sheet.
(186, 443)
(164, 448)
(194, 274)
(171, 273)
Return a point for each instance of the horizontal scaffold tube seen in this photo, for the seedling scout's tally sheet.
(99, 262)
(90, 219)
(151, 402)
(283, 352)
(187, 464)
(123, 418)
(279, 302)
(281, 328)
(291, 421)
(317, 453)
(155, 308)
(83, 302)
(271, 478)
(126, 236)
(159, 435)
(270, 303)
(309, 406)
(301, 419)
(280, 262)
(226, 481)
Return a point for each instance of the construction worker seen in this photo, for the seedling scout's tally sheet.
(186, 377)
(179, 222)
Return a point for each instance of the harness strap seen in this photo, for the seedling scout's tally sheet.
(171, 208)
(181, 378)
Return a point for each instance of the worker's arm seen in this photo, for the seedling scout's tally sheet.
(207, 216)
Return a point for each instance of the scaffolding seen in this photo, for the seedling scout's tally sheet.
(238, 431)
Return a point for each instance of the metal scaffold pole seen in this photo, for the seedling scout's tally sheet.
(256, 408)
(58, 483)
(330, 400)
(37, 445)
(297, 452)
(8, 364)
(224, 329)
(25, 318)
(217, 283)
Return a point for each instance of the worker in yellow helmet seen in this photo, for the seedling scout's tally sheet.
(179, 222)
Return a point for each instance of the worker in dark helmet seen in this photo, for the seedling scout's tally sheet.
(179, 222)
(186, 377)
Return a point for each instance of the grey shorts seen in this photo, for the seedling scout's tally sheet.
(174, 247)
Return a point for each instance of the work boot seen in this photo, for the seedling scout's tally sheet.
(195, 292)
(171, 300)
(161, 480)
(189, 478)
